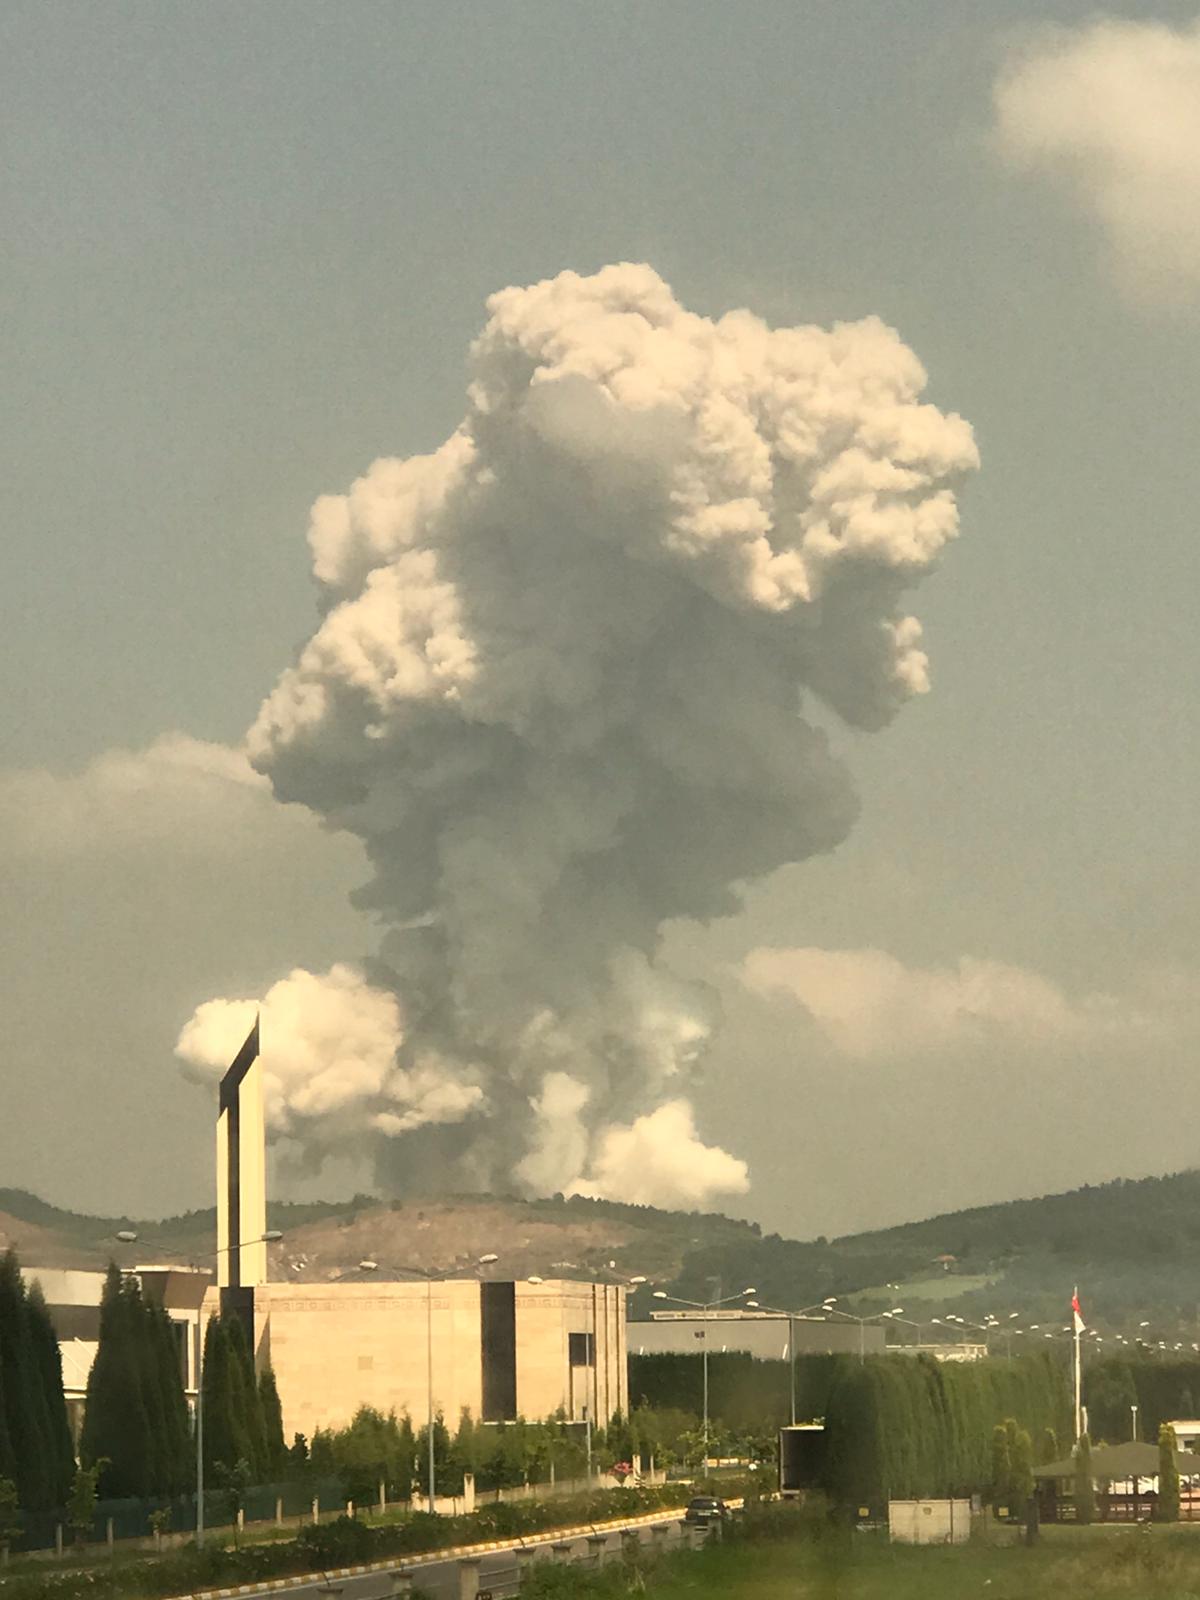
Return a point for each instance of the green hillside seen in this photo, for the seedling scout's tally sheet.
(1131, 1246)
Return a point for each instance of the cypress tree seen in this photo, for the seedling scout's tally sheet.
(116, 1427)
(1000, 1475)
(223, 1443)
(142, 1342)
(1167, 1509)
(247, 1402)
(8, 1459)
(226, 1437)
(272, 1415)
(48, 1359)
(1020, 1467)
(28, 1424)
(177, 1429)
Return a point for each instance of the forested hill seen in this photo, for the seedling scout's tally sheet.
(1133, 1248)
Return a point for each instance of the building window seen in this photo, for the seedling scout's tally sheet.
(498, 1338)
(582, 1349)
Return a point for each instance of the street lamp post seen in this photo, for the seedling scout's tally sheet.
(862, 1326)
(704, 1305)
(431, 1276)
(894, 1316)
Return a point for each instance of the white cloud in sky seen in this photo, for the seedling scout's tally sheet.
(872, 1006)
(196, 796)
(1111, 111)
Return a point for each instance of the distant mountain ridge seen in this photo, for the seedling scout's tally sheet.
(1132, 1246)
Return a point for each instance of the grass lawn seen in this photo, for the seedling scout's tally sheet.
(1074, 1564)
(1160, 1564)
(942, 1288)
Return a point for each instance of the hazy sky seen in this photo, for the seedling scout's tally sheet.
(246, 249)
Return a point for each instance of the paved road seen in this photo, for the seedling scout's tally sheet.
(497, 1572)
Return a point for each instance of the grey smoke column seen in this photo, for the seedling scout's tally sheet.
(559, 688)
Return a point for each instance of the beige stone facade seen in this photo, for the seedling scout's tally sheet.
(499, 1350)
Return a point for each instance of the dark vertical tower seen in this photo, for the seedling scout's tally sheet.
(241, 1182)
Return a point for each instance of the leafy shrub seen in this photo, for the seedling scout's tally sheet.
(344, 1542)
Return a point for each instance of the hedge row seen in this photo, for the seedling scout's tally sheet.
(909, 1426)
(344, 1542)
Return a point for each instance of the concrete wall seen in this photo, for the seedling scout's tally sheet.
(338, 1346)
(547, 1314)
(764, 1337)
(929, 1521)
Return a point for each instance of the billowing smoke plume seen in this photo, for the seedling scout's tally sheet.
(558, 692)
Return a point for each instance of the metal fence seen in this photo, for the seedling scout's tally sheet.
(282, 1503)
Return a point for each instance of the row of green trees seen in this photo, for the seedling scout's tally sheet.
(909, 1426)
(1010, 1480)
(243, 1422)
(137, 1435)
(135, 1423)
(37, 1458)
(747, 1394)
(375, 1449)
(1164, 1389)
(136, 1428)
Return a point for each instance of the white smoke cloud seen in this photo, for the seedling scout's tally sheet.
(659, 1161)
(559, 689)
(1111, 112)
(873, 1007)
(330, 1070)
(560, 1144)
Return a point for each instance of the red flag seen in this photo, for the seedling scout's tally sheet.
(1077, 1314)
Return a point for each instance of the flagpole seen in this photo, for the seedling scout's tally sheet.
(1077, 1327)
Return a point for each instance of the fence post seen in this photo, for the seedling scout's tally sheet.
(109, 1536)
(58, 1539)
(382, 1497)
(597, 1543)
(279, 1511)
(468, 1577)
(526, 1555)
(563, 1550)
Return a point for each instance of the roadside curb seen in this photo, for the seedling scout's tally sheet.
(425, 1558)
